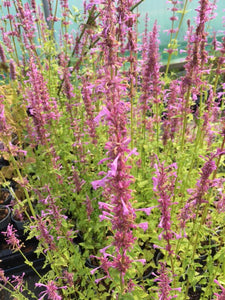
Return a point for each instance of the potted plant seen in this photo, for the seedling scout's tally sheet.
(19, 218)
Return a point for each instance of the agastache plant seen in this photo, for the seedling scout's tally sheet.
(171, 123)
(164, 283)
(197, 57)
(117, 180)
(163, 186)
(41, 108)
(199, 193)
(77, 105)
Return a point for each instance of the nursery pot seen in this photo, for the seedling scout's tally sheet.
(19, 224)
(13, 262)
(5, 217)
(3, 162)
(5, 196)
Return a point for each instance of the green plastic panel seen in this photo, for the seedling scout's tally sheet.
(158, 10)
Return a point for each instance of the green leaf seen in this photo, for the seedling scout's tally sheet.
(183, 11)
(143, 183)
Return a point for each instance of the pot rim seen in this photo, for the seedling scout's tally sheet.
(8, 214)
(9, 198)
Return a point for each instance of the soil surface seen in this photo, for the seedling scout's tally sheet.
(3, 213)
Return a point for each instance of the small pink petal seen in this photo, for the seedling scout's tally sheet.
(143, 225)
(146, 210)
(94, 270)
(103, 251)
(125, 210)
(134, 151)
(114, 166)
(100, 279)
(99, 183)
(143, 261)
(103, 112)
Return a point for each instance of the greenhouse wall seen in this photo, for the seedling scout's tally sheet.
(159, 10)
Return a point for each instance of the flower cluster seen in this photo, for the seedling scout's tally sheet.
(199, 193)
(11, 238)
(51, 290)
(41, 107)
(150, 71)
(164, 283)
(117, 180)
(163, 186)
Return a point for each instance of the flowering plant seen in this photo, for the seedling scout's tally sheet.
(119, 164)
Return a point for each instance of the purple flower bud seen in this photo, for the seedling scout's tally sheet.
(2, 54)
(12, 69)
(11, 238)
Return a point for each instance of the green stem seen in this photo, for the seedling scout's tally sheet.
(14, 44)
(90, 20)
(3, 287)
(132, 104)
(52, 23)
(203, 217)
(25, 191)
(195, 243)
(219, 159)
(29, 263)
(121, 283)
(185, 119)
(136, 5)
(17, 200)
(179, 26)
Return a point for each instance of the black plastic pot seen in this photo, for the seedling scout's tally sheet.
(13, 263)
(5, 196)
(195, 294)
(19, 225)
(5, 217)
(3, 162)
(90, 265)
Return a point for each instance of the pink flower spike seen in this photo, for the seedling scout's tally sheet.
(18, 280)
(11, 238)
